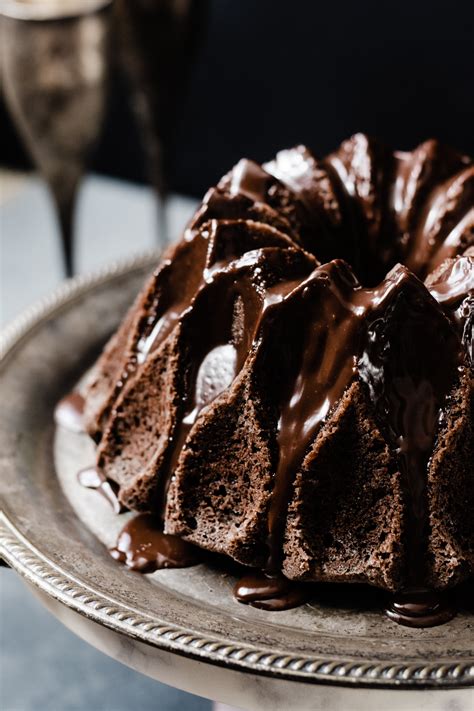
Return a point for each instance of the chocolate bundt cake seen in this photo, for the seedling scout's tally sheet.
(293, 387)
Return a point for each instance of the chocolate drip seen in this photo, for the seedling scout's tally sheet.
(69, 412)
(323, 323)
(142, 546)
(326, 228)
(446, 226)
(452, 285)
(249, 179)
(453, 282)
(385, 335)
(270, 593)
(410, 364)
(420, 608)
(417, 174)
(177, 282)
(92, 478)
(312, 183)
(231, 239)
(320, 326)
(365, 170)
(216, 349)
(272, 197)
(214, 246)
(220, 204)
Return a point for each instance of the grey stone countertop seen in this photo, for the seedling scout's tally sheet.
(43, 666)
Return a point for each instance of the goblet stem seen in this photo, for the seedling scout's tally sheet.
(157, 176)
(65, 209)
(55, 67)
(161, 201)
(162, 219)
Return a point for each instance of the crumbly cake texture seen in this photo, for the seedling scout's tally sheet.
(271, 403)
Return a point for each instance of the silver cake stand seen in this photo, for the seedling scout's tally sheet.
(182, 627)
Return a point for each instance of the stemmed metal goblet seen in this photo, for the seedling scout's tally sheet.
(55, 68)
(157, 45)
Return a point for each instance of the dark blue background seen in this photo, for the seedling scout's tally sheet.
(270, 74)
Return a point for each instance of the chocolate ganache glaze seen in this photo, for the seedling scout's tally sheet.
(284, 391)
(142, 546)
(270, 592)
(452, 285)
(346, 337)
(217, 348)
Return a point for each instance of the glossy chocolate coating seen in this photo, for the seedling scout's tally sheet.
(142, 546)
(452, 285)
(362, 333)
(420, 608)
(270, 593)
(410, 363)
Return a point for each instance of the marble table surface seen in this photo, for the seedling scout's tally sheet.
(43, 666)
